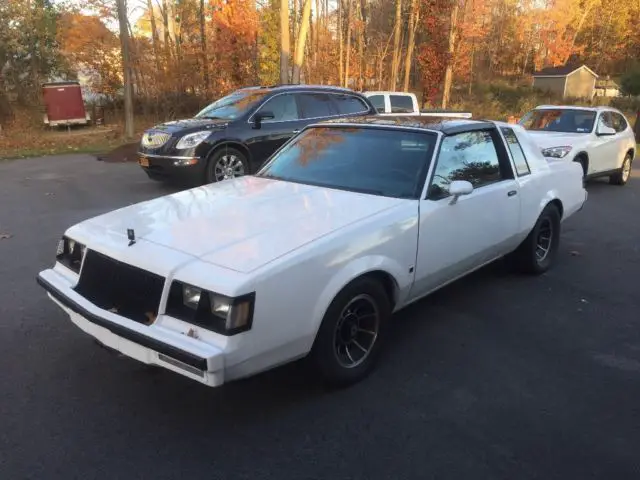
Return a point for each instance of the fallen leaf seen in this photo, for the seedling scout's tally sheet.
(4, 236)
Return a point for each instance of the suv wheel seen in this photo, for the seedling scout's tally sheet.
(226, 163)
(622, 176)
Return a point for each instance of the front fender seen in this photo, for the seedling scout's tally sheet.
(357, 268)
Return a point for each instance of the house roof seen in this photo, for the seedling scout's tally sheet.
(561, 71)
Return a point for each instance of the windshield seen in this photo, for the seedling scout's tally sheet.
(559, 120)
(233, 106)
(388, 162)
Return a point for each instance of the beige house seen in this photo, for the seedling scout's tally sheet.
(568, 81)
(607, 88)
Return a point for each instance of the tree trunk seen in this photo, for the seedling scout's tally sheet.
(300, 44)
(284, 41)
(165, 27)
(203, 48)
(413, 23)
(316, 36)
(395, 63)
(360, 44)
(348, 53)
(340, 40)
(448, 75)
(154, 35)
(126, 66)
(364, 41)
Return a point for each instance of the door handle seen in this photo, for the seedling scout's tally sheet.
(512, 193)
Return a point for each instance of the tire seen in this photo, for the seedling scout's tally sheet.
(225, 163)
(621, 177)
(338, 353)
(529, 257)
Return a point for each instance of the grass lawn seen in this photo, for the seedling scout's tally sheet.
(16, 144)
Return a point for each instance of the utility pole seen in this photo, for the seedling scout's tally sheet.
(126, 68)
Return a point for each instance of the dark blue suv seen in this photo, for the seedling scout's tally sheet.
(235, 135)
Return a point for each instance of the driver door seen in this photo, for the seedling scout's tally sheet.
(457, 238)
(605, 147)
(272, 133)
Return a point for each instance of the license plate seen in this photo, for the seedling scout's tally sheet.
(144, 161)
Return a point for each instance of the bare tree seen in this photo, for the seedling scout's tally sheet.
(203, 48)
(340, 43)
(413, 23)
(448, 74)
(348, 52)
(302, 38)
(126, 66)
(284, 41)
(395, 62)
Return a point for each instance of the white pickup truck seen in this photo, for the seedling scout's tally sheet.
(598, 138)
(402, 103)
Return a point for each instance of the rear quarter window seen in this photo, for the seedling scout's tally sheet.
(517, 153)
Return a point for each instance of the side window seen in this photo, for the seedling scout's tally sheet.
(619, 122)
(349, 105)
(470, 156)
(401, 104)
(378, 102)
(522, 167)
(283, 107)
(315, 105)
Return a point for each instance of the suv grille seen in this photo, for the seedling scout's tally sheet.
(123, 289)
(153, 139)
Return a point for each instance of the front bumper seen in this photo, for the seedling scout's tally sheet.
(152, 344)
(168, 167)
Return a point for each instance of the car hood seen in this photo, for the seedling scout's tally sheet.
(240, 224)
(191, 125)
(558, 139)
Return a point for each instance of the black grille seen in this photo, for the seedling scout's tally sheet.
(126, 290)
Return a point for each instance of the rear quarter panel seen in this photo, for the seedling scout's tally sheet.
(550, 179)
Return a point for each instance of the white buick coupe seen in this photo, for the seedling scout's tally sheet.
(346, 224)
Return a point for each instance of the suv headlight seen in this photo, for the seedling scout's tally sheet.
(556, 152)
(210, 310)
(70, 254)
(192, 140)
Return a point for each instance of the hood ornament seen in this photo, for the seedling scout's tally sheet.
(131, 235)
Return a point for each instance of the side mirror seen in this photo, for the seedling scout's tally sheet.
(458, 188)
(260, 116)
(603, 130)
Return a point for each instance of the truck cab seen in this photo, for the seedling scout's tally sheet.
(404, 103)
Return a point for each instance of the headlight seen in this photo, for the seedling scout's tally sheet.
(210, 310)
(70, 253)
(192, 140)
(556, 152)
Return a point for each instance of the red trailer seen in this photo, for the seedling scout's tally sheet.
(64, 104)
